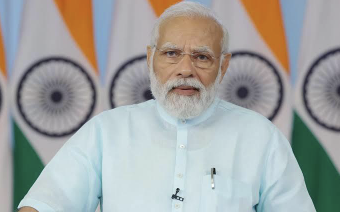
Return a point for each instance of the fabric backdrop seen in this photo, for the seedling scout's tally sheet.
(62, 62)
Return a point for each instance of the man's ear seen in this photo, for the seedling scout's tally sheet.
(148, 56)
(225, 64)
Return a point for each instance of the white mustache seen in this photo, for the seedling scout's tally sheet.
(184, 82)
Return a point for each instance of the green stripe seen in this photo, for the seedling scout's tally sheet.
(322, 178)
(27, 165)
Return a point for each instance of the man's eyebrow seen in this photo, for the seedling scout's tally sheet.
(169, 45)
(203, 49)
(198, 49)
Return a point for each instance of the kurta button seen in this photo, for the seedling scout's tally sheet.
(179, 175)
(177, 206)
(182, 146)
(183, 121)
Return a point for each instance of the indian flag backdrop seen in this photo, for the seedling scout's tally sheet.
(316, 133)
(5, 148)
(54, 83)
(127, 80)
(258, 75)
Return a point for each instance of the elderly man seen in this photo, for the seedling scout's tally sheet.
(185, 151)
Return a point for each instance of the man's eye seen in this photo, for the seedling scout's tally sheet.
(171, 53)
(202, 57)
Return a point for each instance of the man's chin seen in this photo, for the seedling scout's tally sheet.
(184, 106)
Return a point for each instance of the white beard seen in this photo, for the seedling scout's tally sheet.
(180, 106)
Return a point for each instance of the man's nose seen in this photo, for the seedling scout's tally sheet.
(186, 67)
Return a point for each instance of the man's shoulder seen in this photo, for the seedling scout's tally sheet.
(134, 107)
(230, 108)
(123, 111)
(253, 126)
(244, 116)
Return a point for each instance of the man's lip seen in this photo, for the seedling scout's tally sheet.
(183, 87)
(185, 90)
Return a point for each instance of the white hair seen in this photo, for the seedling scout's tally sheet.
(189, 9)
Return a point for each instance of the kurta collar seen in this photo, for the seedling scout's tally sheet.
(187, 122)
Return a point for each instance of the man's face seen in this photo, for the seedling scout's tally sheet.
(189, 35)
(185, 67)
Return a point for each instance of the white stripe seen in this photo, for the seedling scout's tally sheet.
(320, 34)
(5, 151)
(245, 37)
(130, 35)
(44, 34)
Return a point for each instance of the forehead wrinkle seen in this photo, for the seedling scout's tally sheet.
(202, 27)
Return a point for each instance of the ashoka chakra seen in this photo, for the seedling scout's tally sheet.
(56, 96)
(321, 90)
(130, 84)
(253, 82)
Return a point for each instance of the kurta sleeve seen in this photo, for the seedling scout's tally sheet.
(72, 179)
(282, 184)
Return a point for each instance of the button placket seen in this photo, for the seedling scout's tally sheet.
(180, 168)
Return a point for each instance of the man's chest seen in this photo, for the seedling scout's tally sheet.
(142, 174)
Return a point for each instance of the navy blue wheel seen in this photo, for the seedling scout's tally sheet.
(321, 90)
(253, 82)
(131, 83)
(56, 96)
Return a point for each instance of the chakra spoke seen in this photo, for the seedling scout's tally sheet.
(321, 90)
(46, 107)
(249, 82)
(130, 84)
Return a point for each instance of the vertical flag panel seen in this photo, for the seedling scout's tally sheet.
(54, 84)
(316, 133)
(258, 75)
(5, 148)
(127, 80)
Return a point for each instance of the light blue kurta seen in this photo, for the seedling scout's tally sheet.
(133, 158)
